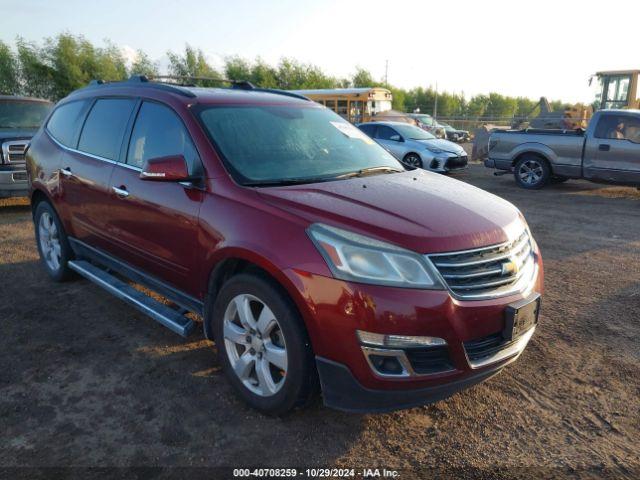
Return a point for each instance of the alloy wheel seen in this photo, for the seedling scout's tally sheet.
(255, 345)
(49, 241)
(413, 161)
(530, 172)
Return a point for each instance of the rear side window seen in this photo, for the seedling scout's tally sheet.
(368, 129)
(64, 123)
(385, 133)
(103, 131)
(159, 132)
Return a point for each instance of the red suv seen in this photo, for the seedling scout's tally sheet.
(315, 259)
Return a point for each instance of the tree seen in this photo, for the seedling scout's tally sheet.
(143, 65)
(362, 78)
(237, 68)
(35, 77)
(193, 64)
(8, 71)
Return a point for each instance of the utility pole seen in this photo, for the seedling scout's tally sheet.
(386, 72)
(435, 106)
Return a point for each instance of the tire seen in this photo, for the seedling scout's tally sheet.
(247, 345)
(413, 160)
(532, 172)
(53, 244)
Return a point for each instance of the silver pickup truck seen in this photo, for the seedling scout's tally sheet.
(607, 151)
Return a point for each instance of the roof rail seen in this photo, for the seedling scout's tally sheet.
(237, 84)
(160, 82)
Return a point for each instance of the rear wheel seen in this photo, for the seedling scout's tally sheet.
(413, 160)
(532, 172)
(262, 345)
(53, 245)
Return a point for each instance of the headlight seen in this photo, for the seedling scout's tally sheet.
(435, 150)
(357, 258)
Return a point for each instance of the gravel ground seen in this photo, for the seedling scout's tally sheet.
(87, 381)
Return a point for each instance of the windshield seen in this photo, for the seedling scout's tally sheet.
(413, 133)
(271, 144)
(16, 114)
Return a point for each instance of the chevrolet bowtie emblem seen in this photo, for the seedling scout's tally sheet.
(509, 267)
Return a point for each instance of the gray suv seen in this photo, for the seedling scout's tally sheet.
(20, 118)
(416, 147)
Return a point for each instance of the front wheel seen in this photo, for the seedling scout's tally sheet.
(53, 246)
(413, 160)
(532, 172)
(262, 345)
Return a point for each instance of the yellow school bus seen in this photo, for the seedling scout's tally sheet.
(353, 104)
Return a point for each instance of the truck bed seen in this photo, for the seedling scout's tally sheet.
(546, 131)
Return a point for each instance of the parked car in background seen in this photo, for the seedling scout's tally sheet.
(454, 134)
(416, 147)
(607, 151)
(20, 118)
(316, 260)
(428, 123)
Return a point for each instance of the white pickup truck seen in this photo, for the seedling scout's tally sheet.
(607, 151)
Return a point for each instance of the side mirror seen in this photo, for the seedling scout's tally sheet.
(395, 138)
(172, 168)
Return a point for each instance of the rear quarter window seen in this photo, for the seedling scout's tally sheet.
(105, 126)
(65, 122)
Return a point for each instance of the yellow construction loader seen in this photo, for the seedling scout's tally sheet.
(618, 89)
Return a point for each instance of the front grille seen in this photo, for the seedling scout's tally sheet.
(19, 176)
(429, 360)
(457, 162)
(14, 151)
(488, 272)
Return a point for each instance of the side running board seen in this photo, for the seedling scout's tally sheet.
(161, 313)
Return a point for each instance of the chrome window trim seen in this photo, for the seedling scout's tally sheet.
(513, 350)
(91, 155)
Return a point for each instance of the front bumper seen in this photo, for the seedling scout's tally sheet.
(448, 164)
(13, 181)
(334, 310)
(341, 390)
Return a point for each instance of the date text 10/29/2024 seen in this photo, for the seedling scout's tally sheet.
(315, 473)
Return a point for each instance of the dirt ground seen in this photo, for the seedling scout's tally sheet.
(85, 380)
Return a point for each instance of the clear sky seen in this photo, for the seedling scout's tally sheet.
(521, 48)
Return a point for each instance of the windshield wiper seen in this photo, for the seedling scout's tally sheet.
(370, 171)
(288, 181)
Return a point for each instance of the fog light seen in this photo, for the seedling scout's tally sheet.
(386, 365)
(398, 341)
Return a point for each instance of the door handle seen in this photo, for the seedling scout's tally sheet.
(66, 172)
(604, 147)
(121, 191)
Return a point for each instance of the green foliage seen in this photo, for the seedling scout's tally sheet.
(8, 71)
(67, 62)
(143, 65)
(193, 64)
(362, 78)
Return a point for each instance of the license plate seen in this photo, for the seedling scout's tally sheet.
(521, 316)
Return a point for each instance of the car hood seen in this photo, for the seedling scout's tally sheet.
(16, 133)
(442, 144)
(417, 210)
